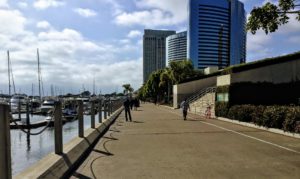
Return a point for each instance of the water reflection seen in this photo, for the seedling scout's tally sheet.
(27, 149)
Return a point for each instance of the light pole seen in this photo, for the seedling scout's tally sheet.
(220, 46)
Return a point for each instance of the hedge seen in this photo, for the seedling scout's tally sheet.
(281, 117)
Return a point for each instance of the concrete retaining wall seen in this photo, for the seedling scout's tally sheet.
(185, 90)
(57, 166)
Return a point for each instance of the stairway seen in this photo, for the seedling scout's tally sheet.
(200, 101)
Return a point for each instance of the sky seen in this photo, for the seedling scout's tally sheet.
(80, 41)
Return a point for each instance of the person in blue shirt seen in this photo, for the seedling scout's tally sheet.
(185, 107)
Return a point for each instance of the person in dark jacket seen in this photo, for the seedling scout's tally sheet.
(127, 109)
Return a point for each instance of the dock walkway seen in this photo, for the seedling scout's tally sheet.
(159, 144)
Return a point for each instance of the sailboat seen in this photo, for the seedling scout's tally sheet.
(17, 101)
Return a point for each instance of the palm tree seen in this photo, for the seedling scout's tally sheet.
(127, 88)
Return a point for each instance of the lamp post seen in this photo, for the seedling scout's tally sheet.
(220, 46)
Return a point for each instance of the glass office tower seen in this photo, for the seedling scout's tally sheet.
(154, 51)
(176, 47)
(216, 34)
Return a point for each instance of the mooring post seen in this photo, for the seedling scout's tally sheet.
(104, 108)
(27, 114)
(19, 109)
(58, 136)
(5, 147)
(93, 114)
(80, 119)
(108, 107)
(100, 111)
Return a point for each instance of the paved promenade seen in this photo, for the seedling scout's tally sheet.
(159, 144)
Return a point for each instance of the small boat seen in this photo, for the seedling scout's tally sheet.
(47, 106)
(16, 102)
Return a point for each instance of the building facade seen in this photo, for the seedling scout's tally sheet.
(217, 33)
(176, 47)
(154, 51)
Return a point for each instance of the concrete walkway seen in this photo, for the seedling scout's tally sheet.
(159, 144)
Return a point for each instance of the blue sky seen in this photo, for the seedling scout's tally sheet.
(80, 40)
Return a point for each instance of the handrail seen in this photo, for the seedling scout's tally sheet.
(201, 93)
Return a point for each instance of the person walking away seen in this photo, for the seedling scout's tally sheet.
(127, 109)
(185, 107)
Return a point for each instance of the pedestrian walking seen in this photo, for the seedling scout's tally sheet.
(127, 109)
(185, 107)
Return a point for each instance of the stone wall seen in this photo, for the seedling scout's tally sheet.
(200, 106)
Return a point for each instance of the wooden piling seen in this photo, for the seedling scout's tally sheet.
(93, 114)
(100, 111)
(58, 135)
(80, 119)
(5, 145)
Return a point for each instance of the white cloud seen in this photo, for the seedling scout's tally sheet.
(68, 59)
(3, 3)
(134, 34)
(155, 13)
(43, 25)
(22, 5)
(44, 4)
(12, 22)
(293, 26)
(258, 45)
(85, 12)
(116, 7)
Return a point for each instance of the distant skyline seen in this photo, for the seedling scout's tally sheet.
(80, 40)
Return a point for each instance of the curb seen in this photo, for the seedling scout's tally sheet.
(273, 130)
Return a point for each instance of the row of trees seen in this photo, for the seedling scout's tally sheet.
(159, 84)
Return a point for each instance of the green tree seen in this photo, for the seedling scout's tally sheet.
(127, 88)
(181, 70)
(160, 82)
(270, 16)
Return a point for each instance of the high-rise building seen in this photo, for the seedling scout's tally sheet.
(154, 51)
(216, 33)
(176, 47)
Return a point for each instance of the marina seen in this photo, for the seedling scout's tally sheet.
(27, 150)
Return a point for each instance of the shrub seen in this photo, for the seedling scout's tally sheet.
(221, 109)
(257, 115)
(241, 112)
(291, 118)
(281, 117)
(274, 116)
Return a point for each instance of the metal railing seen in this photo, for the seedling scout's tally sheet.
(200, 94)
(107, 106)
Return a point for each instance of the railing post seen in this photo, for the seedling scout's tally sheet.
(5, 147)
(80, 119)
(100, 111)
(19, 110)
(27, 114)
(93, 114)
(108, 107)
(105, 109)
(58, 136)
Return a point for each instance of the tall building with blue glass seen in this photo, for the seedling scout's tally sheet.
(216, 33)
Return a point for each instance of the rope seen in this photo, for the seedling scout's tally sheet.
(37, 133)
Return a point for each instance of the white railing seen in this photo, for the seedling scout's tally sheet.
(201, 93)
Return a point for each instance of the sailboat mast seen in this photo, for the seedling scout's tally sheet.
(94, 85)
(8, 70)
(39, 73)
